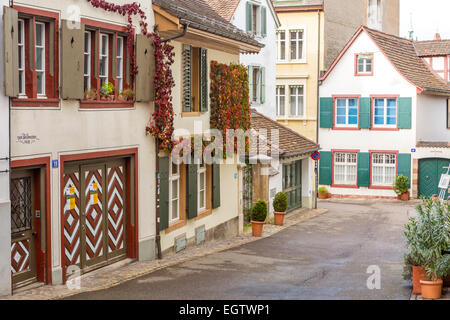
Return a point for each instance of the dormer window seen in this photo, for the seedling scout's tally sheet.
(364, 64)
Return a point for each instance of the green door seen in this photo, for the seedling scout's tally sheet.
(430, 171)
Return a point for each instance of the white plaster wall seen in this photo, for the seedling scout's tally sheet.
(386, 80)
(265, 58)
(275, 182)
(432, 118)
(307, 183)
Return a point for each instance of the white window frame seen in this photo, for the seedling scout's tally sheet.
(106, 75)
(297, 99)
(278, 100)
(346, 164)
(347, 115)
(365, 64)
(21, 47)
(87, 52)
(256, 98)
(299, 55)
(119, 66)
(279, 41)
(42, 47)
(174, 177)
(383, 165)
(287, 31)
(201, 170)
(385, 125)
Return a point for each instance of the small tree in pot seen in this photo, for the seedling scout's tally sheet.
(323, 193)
(280, 204)
(259, 215)
(401, 187)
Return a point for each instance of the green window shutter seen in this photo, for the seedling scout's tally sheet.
(164, 193)
(364, 169)
(204, 80)
(10, 56)
(250, 83)
(263, 85)
(326, 112)
(187, 78)
(249, 17)
(404, 113)
(325, 167)
(215, 186)
(192, 191)
(364, 113)
(263, 22)
(404, 165)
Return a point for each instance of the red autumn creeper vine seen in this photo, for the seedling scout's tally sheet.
(161, 126)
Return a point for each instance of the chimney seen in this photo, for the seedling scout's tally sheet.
(437, 36)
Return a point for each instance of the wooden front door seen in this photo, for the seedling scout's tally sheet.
(430, 171)
(23, 229)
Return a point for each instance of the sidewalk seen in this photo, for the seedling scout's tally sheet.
(113, 275)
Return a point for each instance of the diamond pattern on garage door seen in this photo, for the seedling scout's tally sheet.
(94, 215)
(72, 221)
(115, 209)
(20, 256)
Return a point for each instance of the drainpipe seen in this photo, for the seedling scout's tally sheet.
(316, 165)
(157, 174)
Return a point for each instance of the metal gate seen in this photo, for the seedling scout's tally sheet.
(247, 192)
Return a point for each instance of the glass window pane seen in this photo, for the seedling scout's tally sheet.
(340, 102)
(104, 44)
(39, 34)
(379, 102)
(40, 83)
(352, 120)
(174, 209)
(39, 56)
(392, 102)
(174, 189)
(352, 102)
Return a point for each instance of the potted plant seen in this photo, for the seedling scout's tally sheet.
(107, 92)
(412, 270)
(323, 193)
(280, 204)
(259, 214)
(90, 94)
(401, 187)
(127, 95)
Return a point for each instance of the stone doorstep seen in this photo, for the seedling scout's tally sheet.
(126, 270)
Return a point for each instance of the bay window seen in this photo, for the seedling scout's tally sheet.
(383, 169)
(346, 111)
(385, 113)
(345, 168)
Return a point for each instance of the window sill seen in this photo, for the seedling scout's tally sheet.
(346, 128)
(344, 186)
(292, 118)
(35, 102)
(203, 214)
(384, 129)
(303, 61)
(191, 114)
(175, 226)
(98, 104)
(363, 74)
(381, 188)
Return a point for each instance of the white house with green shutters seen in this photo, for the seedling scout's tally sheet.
(383, 112)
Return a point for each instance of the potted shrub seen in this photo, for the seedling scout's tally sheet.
(280, 204)
(323, 193)
(90, 94)
(259, 215)
(412, 270)
(129, 94)
(107, 92)
(401, 187)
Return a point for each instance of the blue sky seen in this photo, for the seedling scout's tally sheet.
(428, 17)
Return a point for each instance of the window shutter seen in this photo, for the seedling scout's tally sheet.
(263, 85)
(164, 193)
(187, 78)
(204, 80)
(72, 68)
(404, 113)
(192, 191)
(326, 112)
(250, 83)
(31, 43)
(263, 22)
(364, 169)
(404, 165)
(364, 113)
(145, 60)
(96, 53)
(11, 59)
(114, 56)
(249, 17)
(51, 51)
(325, 167)
(215, 185)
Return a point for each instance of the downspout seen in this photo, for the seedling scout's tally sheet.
(316, 165)
(157, 174)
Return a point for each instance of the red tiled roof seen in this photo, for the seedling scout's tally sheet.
(225, 8)
(432, 48)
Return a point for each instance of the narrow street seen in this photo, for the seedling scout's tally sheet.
(323, 258)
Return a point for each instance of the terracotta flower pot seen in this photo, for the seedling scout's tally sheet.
(323, 195)
(404, 196)
(431, 289)
(279, 218)
(257, 227)
(418, 274)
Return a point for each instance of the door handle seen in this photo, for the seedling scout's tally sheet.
(34, 234)
(427, 177)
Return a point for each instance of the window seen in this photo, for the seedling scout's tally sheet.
(281, 45)
(40, 58)
(345, 168)
(297, 100)
(374, 15)
(21, 44)
(257, 84)
(195, 79)
(364, 64)
(296, 39)
(119, 62)
(87, 60)
(104, 53)
(256, 19)
(201, 182)
(383, 169)
(346, 111)
(385, 112)
(174, 192)
(281, 100)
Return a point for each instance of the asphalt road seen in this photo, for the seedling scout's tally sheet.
(326, 257)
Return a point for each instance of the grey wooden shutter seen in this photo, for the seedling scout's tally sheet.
(145, 60)
(10, 45)
(187, 78)
(215, 186)
(249, 14)
(204, 80)
(72, 62)
(262, 96)
(263, 22)
(192, 191)
(164, 193)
